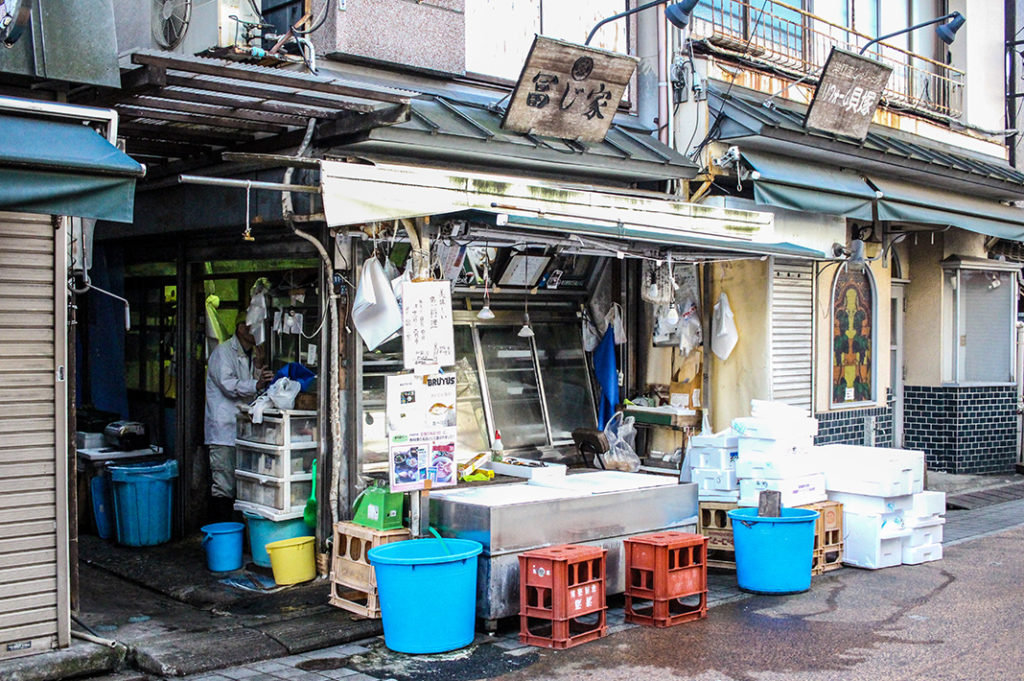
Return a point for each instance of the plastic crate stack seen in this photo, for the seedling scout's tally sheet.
(666, 578)
(562, 596)
(888, 518)
(353, 582)
(273, 474)
(775, 453)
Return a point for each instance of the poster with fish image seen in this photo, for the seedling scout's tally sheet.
(421, 431)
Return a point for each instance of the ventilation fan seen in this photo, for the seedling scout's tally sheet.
(170, 21)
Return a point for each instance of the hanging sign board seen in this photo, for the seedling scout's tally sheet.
(427, 332)
(848, 93)
(569, 91)
(421, 431)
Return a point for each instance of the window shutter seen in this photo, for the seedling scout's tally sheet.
(792, 301)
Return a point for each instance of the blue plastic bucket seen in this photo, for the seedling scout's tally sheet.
(223, 544)
(142, 495)
(263, 531)
(99, 488)
(774, 555)
(427, 591)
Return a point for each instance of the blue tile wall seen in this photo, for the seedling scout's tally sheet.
(962, 429)
(847, 426)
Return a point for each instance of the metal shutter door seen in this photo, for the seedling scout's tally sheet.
(33, 539)
(792, 331)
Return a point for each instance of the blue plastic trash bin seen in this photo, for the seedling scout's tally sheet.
(223, 544)
(143, 494)
(774, 555)
(427, 590)
(263, 531)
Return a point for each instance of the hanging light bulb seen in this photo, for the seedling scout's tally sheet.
(485, 312)
(527, 330)
(672, 316)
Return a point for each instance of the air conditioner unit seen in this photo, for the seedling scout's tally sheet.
(194, 26)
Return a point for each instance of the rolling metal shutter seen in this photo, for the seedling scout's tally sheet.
(34, 608)
(792, 331)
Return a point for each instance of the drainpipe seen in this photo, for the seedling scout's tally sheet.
(664, 118)
(647, 72)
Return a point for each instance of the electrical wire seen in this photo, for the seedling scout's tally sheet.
(317, 24)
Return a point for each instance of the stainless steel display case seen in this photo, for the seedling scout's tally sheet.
(509, 519)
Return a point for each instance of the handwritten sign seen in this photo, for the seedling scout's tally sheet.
(848, 93)
(569, 91)
(427, 331)
(421, 421)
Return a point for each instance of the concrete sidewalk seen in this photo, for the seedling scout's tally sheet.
(207, 632)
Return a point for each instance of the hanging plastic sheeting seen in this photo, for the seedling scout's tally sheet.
(375, 311)
(607, 373)
(723, 329)
(257, 312)
(613, 322)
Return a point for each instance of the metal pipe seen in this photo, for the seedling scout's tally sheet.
(908, 30)
(244, 184)
(620, 15)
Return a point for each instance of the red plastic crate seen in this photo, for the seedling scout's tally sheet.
(562, 633)
(562, 582)
(666, 612)
(666, 565)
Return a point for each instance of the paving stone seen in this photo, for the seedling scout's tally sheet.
(509, 644)
(245, 672)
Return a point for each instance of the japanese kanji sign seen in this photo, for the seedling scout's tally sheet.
(427, 332)
(568, 90)
(848, 94)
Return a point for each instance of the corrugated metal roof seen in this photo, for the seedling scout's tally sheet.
(743, 114)
(470, 135)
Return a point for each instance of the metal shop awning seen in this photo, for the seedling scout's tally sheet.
(64, 168)
(799, 185)
(356, 194)
(905, 202)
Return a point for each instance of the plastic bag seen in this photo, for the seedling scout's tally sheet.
(621, 434)
(591, 336)
(282, 393)
(723, 332)
(375, 311)
(614, 319)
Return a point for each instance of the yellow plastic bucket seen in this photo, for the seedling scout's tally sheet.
(292, 560)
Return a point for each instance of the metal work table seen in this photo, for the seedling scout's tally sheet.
(597, 508)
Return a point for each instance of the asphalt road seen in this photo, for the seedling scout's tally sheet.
(956, 619)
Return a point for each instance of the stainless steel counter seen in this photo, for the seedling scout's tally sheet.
(599, 509)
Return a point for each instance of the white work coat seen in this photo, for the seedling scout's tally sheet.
(229, 384)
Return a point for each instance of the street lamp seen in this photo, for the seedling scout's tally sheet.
(678, 14)
(946, 32)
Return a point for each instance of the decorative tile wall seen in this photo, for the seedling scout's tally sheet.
(962, 429)
(848, 426)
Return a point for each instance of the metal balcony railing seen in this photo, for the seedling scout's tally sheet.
(797, 43)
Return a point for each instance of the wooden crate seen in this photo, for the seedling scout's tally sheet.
(349, 564)
(714, 515)
(363, 603)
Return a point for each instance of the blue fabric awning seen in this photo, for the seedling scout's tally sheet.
(64, 168)
(798, 185)
(905, 202)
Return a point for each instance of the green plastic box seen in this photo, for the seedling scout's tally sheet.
(378, 507)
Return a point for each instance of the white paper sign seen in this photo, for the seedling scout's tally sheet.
(427, 331)
(421, 431)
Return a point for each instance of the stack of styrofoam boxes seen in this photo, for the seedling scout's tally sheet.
(713, 466)
(925, 521)
(877, 488)
(775, 446)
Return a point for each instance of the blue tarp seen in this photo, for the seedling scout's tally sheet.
(64, 168)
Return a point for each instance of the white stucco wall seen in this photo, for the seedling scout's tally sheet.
(978, 50)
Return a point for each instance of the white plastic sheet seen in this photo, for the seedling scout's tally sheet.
(375, 311)
(723, 329)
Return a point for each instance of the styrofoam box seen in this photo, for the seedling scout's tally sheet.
(730, 497)
(929, 504)
(713, 457)
(761, 447)
(727, 438)
(873, 471)
(775, 429)
(915, 555)
(864, 503)
(84, 440)
(928, 532)
(547, 471)
(714, 479)
(776, 467)
(806, 489)
(871, 541)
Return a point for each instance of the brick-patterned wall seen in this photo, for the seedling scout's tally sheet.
(847, 426)
(962, 429)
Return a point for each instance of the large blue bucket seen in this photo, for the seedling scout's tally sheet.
(142, 502)
(774, 555)
(263, 531)
(427, 590)
(223, 544)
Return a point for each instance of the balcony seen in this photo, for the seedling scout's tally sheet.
(796, 43)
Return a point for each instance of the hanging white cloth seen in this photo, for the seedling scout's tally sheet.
(723, 335)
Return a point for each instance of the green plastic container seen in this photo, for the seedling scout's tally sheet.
(378, 507)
